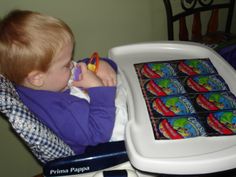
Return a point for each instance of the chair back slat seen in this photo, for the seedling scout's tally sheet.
(183, 31)
(213, 22)
(196, 27)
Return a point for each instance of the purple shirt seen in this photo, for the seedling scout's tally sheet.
(77, 122)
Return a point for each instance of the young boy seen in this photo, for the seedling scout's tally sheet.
(36, 55)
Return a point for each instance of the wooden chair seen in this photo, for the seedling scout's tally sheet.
(196, 9)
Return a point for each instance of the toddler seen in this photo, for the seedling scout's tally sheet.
(36, 55)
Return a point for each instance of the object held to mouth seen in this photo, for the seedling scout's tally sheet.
(77, 72)
(93, 62)
(92, 65)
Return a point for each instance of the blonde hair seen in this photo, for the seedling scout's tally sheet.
(29, 41)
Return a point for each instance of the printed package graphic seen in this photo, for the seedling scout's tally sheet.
(187, 98)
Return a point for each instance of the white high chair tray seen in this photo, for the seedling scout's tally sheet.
(197, 155)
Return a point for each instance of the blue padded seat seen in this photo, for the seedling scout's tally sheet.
(44, 144)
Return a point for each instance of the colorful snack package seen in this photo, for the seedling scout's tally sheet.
(163, 87)
(223, 122)
(213, 101)
(171, 106)
(205, 83)
(179, 127)
(193, 67)
(156, 70)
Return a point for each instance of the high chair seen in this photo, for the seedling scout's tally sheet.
(141, 154)
(149, 146)
(56, 157)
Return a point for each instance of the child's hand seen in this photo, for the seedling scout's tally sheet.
(106, 73)
(87, 78)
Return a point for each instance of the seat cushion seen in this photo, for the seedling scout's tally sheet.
(44, 144)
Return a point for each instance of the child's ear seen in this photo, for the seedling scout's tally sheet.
(35, 78)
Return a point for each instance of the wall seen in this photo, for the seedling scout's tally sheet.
(98, 26)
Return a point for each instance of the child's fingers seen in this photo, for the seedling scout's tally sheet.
(114, 81)
(109, 82)
(105, 82)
